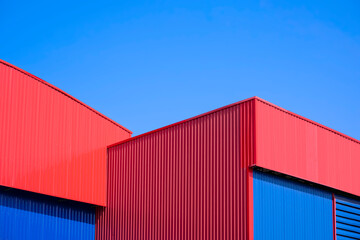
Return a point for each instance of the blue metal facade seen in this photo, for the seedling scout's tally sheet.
(25, 215)
(347, 218)
(286, 209)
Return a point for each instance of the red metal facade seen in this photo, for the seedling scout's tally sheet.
(189, 180)
(293, 145)
(51, 143)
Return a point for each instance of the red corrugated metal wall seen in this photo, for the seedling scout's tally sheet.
(294, 145)
(185, 181)
(51, 143)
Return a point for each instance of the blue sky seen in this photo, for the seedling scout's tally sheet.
(149, 64)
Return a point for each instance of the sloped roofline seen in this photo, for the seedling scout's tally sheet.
(183, 121)
(231, 105)
(64, 93)
(309, 121)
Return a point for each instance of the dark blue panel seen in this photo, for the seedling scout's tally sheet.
(286, 209)
(347, 218)
(25, 215)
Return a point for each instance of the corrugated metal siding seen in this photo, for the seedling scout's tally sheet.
(51, 143)
(285, 209)
(185, 181)
(296, 146)
(26, 216)
(347, 218)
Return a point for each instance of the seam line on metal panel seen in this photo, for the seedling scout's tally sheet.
(334, 215)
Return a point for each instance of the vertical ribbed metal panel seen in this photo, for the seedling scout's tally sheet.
(296, 146)
(184, 181)
(51, 143)
(347, 218)
(286, 209)
(26, 216)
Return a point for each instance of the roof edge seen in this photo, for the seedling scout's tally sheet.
(231, 105)
(308, 120)
(183, 121)
(62, 92)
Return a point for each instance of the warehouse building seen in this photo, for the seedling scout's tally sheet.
(249, 170)
(52, 159)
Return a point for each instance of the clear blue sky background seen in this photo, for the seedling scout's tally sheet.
(147, 65)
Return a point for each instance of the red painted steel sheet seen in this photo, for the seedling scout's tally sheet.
(293, 145)
(188, 180)
(51, 143)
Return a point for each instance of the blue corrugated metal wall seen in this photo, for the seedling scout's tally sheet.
(347, 218)
(286, 209)
(25, 215)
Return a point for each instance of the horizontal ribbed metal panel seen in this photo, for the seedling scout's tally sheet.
(347, 218)
(25, 216)
(185, 181)
(51, 143)
(296, 146)
(286, 209)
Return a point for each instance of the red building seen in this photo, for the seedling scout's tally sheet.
(50, 144)
(249, 170)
